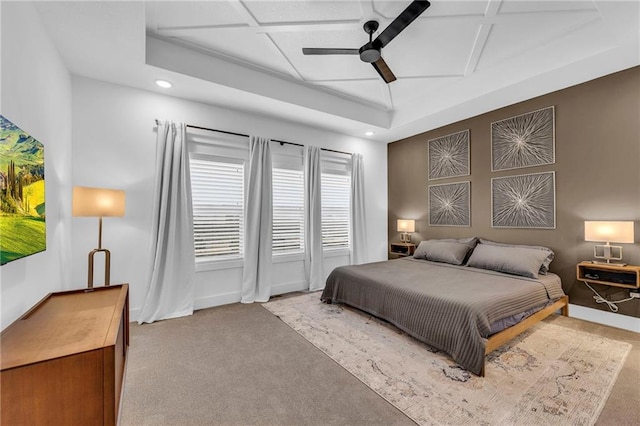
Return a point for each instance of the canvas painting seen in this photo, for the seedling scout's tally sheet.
(526, 140)
(449, 204)
(524, 201)
(449, 155)
(22, 189)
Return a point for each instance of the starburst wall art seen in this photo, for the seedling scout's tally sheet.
(526, 140)
(449, 156)
(524, 201)
(449, 204)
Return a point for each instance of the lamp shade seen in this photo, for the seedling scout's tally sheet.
(614, 232)
(406, 225)
(97, 202)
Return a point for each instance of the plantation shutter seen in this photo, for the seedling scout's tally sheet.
(218, 203)
(336, 189)
(288, 211)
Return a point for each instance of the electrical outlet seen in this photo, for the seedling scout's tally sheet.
(634, 294)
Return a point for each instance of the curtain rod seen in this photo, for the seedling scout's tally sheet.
(242, 134)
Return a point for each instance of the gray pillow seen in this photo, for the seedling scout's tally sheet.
(442, 251)
(471, 241)
(545, 264)
(509, 259)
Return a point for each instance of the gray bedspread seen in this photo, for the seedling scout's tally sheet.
(448, 307)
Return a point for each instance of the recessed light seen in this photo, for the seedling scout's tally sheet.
(164, 84)
(369, 133)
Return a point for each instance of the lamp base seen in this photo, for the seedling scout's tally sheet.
(607, 262)
(107, 266)
(405, 237)
(607, 252)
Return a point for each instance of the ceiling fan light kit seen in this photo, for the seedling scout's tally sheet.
(371, 52)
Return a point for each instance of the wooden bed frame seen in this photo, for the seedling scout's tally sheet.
(507, 334)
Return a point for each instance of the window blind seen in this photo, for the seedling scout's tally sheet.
(288, 211)
(336, 189)
(218, 202)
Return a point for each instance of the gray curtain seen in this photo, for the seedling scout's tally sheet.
(359, 247)
(257, 273)
(172, 274)
(313, 218)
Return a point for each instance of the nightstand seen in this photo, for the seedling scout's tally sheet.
(609, 274)
(401, 249)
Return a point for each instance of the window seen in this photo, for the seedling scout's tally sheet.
(218, 164)
(336, 202)
(288, 211)
(217, 186)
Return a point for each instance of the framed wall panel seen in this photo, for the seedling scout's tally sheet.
(525, 140)
(449, 155)
(450, 204)
(524, 201)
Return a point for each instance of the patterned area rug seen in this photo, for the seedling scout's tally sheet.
(548, 375)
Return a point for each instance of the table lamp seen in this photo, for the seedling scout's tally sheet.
(406, 226)
(607, 232)
(98, 202)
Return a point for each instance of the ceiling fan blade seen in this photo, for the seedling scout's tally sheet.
(323, 51)
(403, 20)
(383, 69)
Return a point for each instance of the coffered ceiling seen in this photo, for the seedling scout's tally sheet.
(457, 59)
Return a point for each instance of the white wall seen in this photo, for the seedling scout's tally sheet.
(114, 146)
(36, 96)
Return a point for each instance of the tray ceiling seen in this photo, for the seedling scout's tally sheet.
(458, 59)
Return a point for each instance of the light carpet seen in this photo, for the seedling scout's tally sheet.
(548, 375)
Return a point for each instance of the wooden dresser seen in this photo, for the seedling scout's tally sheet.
(63, 361)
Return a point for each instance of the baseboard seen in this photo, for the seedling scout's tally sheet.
(134, 314)
(199, 303)
(233, 297)
(216, 300)
(289, 287)
(607, 318)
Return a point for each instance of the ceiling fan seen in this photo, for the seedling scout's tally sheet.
(371, 52)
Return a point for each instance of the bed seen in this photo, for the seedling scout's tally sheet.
(462, 310)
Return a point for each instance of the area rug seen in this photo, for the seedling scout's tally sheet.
(549, 375)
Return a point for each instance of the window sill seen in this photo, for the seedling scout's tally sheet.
(213, 265)
(336, 252)
(285, 258)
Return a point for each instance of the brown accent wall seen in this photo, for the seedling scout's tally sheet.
(597, 128)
